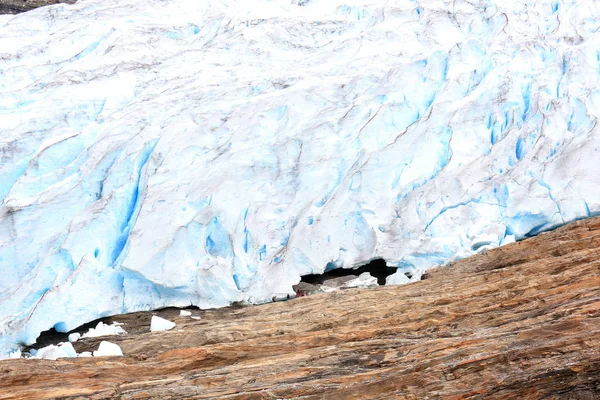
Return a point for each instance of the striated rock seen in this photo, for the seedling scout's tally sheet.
(19, 6)
(520, 321)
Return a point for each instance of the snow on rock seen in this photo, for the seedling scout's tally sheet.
(203, 152)
(184, 313)
(158, 324)
(103, 329)
(108, 349)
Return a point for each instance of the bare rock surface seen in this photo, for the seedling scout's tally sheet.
(19, 6)
(520, 321)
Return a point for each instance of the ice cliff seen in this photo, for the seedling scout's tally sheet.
(201, 152)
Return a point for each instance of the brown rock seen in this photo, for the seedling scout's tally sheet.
(305, 288)
(521, 321)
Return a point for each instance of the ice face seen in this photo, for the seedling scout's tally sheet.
(204, 152)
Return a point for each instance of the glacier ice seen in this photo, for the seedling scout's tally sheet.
(195, 152)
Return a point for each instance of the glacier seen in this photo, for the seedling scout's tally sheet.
(194, 152)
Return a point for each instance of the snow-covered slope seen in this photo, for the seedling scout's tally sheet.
(201, 152)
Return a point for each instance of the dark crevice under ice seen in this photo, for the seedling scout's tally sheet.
(376, 268)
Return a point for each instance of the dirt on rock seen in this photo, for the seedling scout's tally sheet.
(518, 322)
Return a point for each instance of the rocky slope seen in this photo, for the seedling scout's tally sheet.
(19, 6)
(520, 321)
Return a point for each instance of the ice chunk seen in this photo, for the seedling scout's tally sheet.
(85, 354)
(68, 349)
(364, 280)
(102, 329)
(184, 313)
(108, 349)
(73, 337)
(397, 278)
(52, 352)
(160, 324)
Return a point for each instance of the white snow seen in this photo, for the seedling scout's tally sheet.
(108, 349)
(158, 324)
(103, 329)
(203, 152)
(184, 313)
